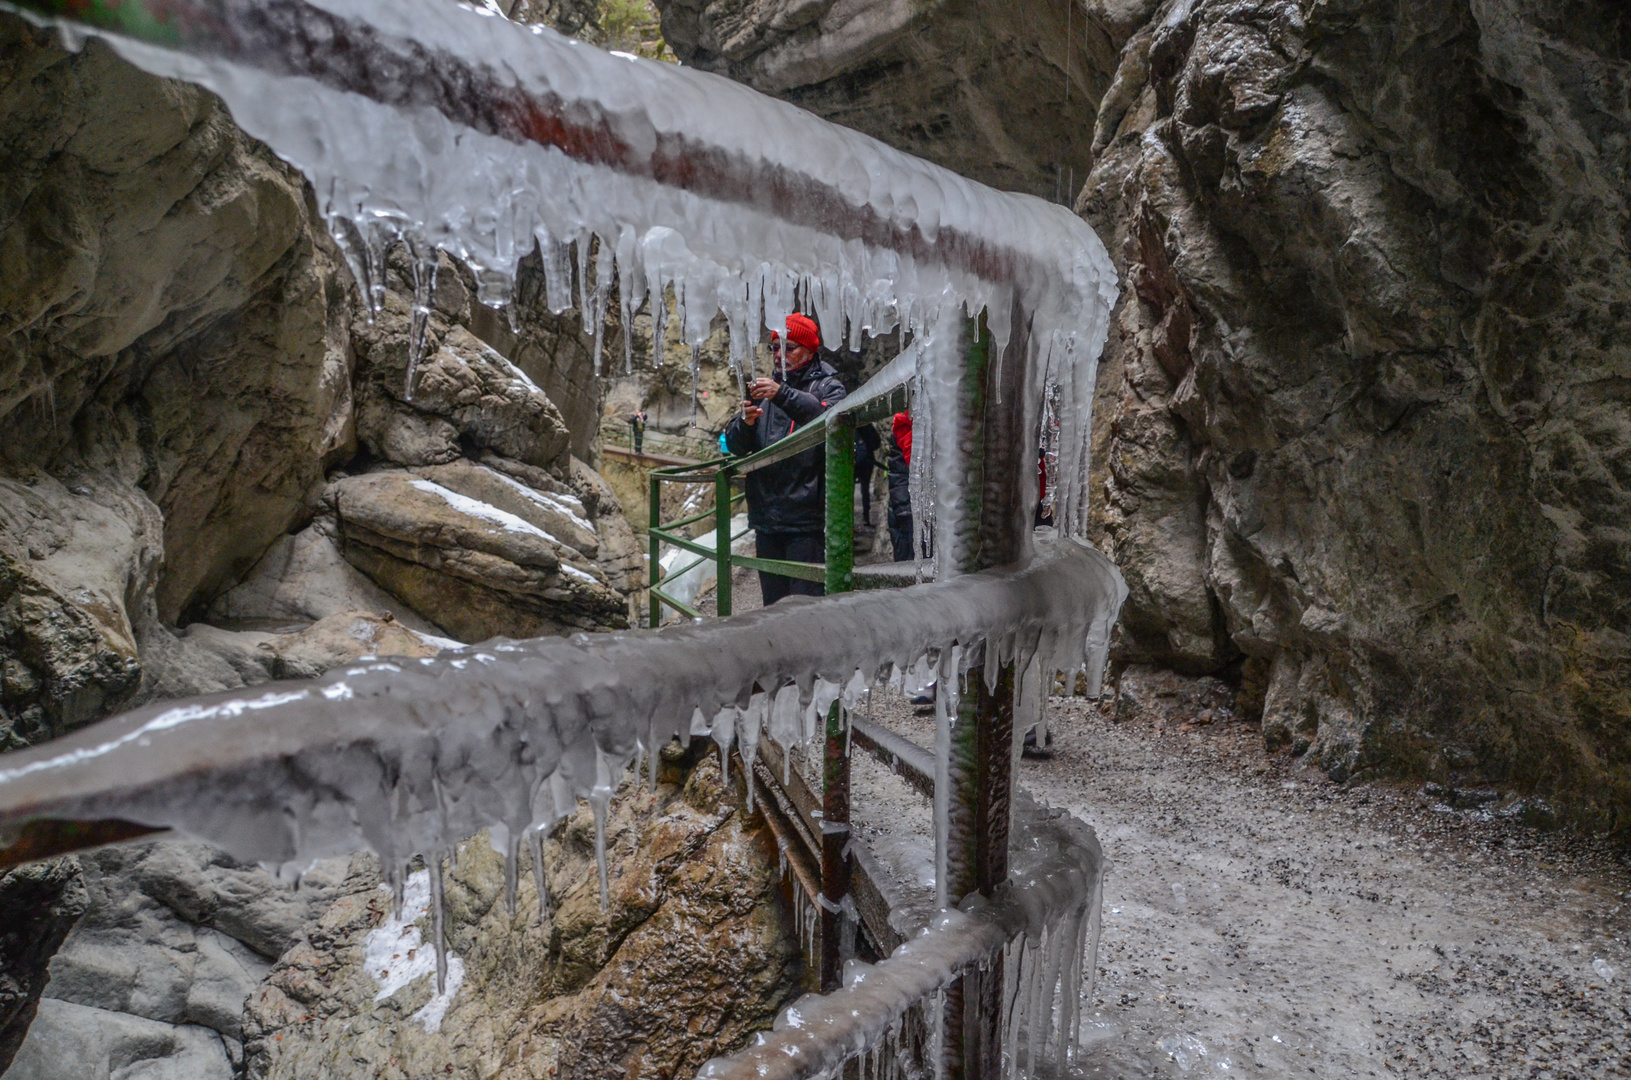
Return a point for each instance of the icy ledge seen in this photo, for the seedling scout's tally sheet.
(1045, 925)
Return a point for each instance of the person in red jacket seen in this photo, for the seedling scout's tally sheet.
(899, 465)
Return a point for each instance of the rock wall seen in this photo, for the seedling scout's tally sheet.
(1358, 429)
(1361, 429)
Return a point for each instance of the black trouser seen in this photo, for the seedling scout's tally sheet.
(863, 476)
(900, 532)
(794, 547)
(639, 438)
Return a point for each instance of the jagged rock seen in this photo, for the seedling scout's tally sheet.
(303, 578)
(174, 938)
(69, 559)
(1004, 93)
(39, 905)
(137, 218)
(688, 959)
(482, 570)
(622, 559)
(461, 381)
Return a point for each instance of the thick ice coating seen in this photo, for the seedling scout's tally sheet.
(401, 756)
(447, 126)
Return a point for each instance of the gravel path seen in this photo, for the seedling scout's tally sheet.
(1260, 921)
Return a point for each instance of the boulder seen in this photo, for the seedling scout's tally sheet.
(77, 1042)
(462, 384)
(1350, 442)
(303, 578)
(482, 570)
(558, 512)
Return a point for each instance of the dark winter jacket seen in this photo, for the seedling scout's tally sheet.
(900, 485)
(867, 444)
(789, 496)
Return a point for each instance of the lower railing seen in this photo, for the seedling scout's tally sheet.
(1039, 935)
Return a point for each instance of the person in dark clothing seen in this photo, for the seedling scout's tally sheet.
(787, 506)
(867, 443)
(899, 464)
(637, 428)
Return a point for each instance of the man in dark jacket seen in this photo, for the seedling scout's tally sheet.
(787, 501)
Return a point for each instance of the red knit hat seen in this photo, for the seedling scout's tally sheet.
(801, 330)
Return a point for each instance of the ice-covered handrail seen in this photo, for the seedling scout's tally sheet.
(1045, 917)
(447, 126)
(402, 756)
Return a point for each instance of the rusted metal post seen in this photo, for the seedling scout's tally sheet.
(834, 839)
(722, 540)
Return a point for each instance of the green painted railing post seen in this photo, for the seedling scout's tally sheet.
(722, 539)
(980, 769)
(654, 546)
(840, 557)
(840, 481)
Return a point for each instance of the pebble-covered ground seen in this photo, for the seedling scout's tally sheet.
(1260, 921)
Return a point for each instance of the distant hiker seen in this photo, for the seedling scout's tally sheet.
(637, 427)
(787, 500)
(867, 444)
(899, 465)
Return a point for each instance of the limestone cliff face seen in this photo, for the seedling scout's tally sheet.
(1364, 424)
(1362, 430)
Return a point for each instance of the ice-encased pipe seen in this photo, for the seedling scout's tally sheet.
(405, 756)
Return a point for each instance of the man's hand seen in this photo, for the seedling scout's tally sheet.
(751, 412)
(763, 389)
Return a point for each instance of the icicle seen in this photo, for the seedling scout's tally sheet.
(940, 1035)
(438, 916)
(425, 264)
(942, 796)
(598, 808)
(659, 324)
(539, 879)
(604, 270)
(512, 870)
(723, 733)
(696, 380)
(557, 261)
(585, 286)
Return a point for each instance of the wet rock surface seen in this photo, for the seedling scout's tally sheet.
(39, 905)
